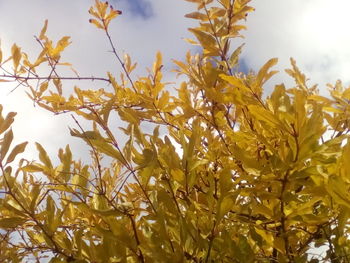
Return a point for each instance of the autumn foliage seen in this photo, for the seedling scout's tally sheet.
(229, 173)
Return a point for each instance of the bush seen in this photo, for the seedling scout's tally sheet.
(227, 175)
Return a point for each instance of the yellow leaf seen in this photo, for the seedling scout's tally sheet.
(184, 95)
(96, 23)
(279, 244)
(299, 78)
(264, 210)
(339, 190)
(235, 81)
(178, 175)
(233, 61)
(43, 31)
(17, 150)
(346, 94)
(32, 168)
(265, 235)
(43, 156)
(66, 159)
(16, 56)
(94, 13)
(101, 7)
(225, 206)
(207, 41)
(263, 74)
(225, 180)
(35, 192)
(163, 100)
(5, 144)
(5, 124)
(112, 14)
(106, 148)
(264, 115)
(332, 109)
(58, 85)
(51, 214)
(158, 63)
(216, 12)
(129, 115)
(191, 41)
(197, 15)
(43, 87)
(127, 62)
(89, 135)
(11, 222)
(64, 64)
(61, 45)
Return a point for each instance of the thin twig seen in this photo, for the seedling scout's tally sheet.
(16, 78)
(119, 59)
(95, 154)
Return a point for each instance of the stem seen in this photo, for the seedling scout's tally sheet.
(22, 78)
(118, 58)
(224, 50)
(133, 224)
(95, 154)
(212, 236)
(283, 218)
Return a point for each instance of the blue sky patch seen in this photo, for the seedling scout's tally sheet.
(243, 66)
(140, 8)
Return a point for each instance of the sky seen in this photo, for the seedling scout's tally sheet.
(314, 32)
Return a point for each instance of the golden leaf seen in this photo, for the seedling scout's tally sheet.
(16, 56)
(43, 31)
(96, 23)
(17, 150)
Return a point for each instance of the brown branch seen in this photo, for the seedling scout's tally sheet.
(17, 78)
(139, 251)
(114, 51)
(95, 154)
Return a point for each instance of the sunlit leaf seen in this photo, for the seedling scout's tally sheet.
(43, 31)
(5, 145)
(17, 150)
(11, 222)
(16, 56)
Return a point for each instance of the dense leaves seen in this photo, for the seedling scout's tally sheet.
(228, 174)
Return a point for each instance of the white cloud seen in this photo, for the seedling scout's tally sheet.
(314, 32)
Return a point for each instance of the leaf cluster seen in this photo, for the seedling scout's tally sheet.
(222, 173)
